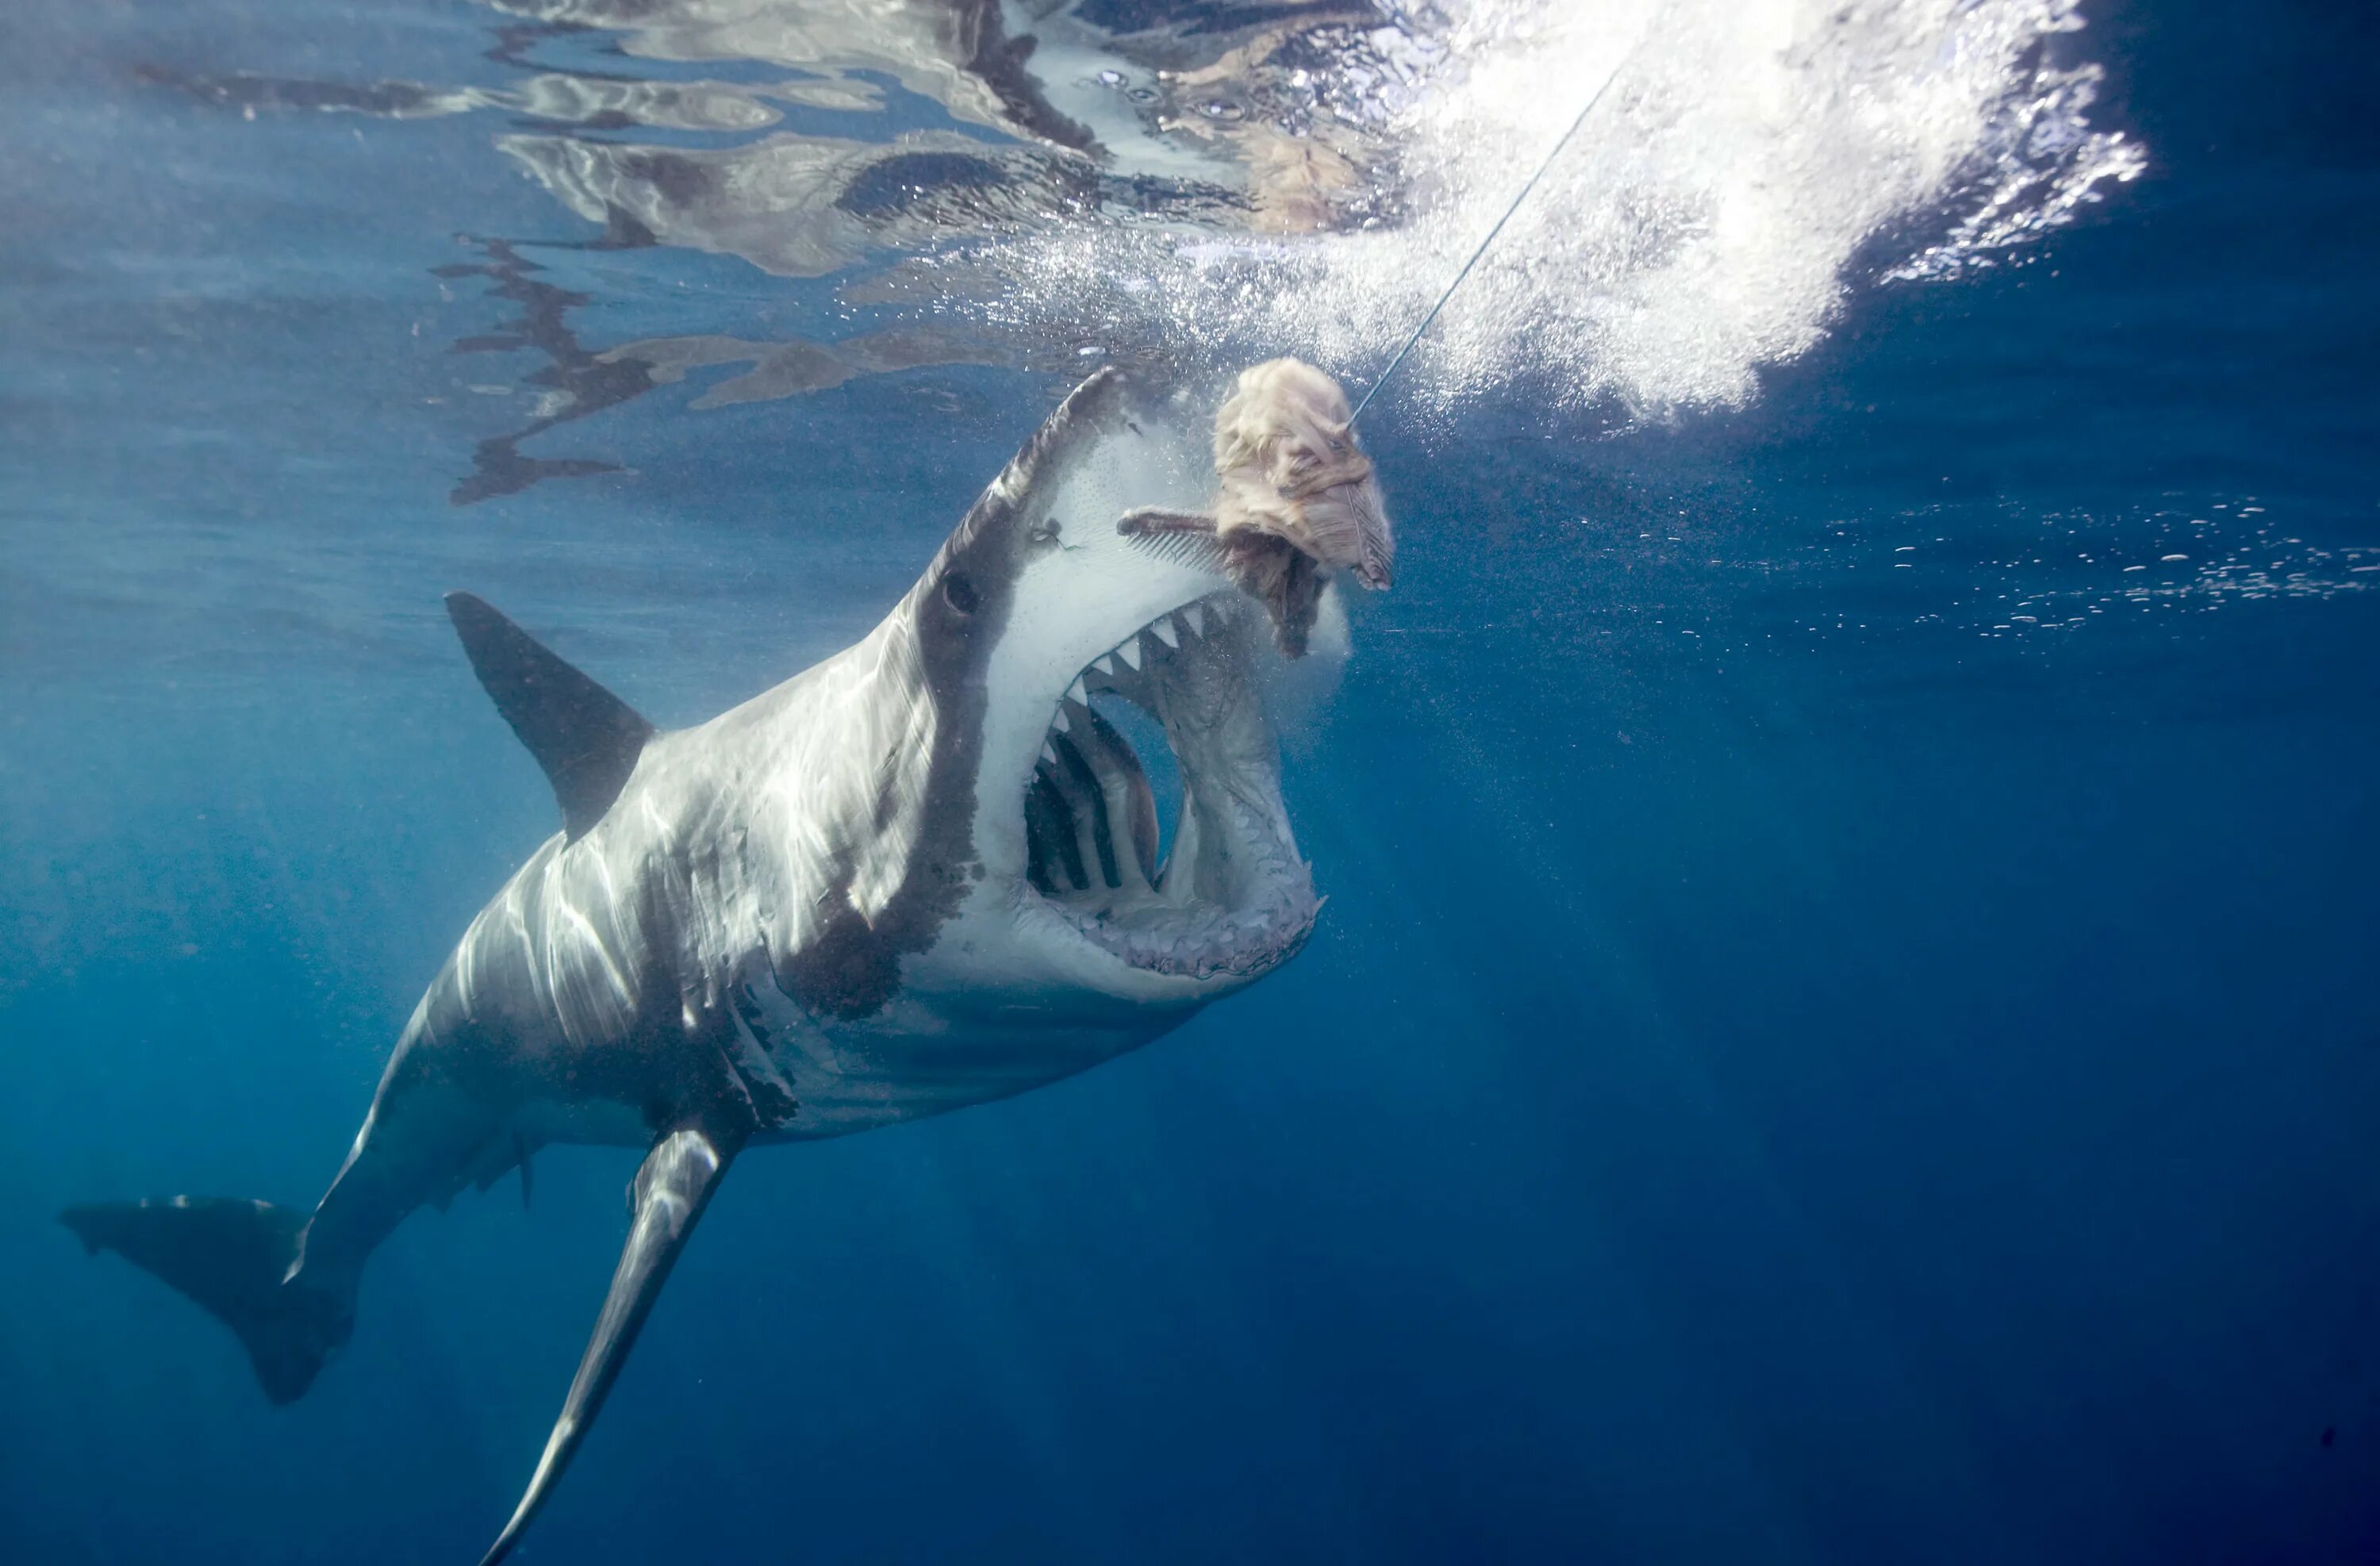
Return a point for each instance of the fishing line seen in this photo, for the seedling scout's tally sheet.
(1490, 239)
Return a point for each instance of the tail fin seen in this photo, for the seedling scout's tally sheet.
(231, 1256)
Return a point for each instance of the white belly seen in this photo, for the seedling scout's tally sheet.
(911, 1062)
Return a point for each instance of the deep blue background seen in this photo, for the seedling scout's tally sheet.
(1786, 1074)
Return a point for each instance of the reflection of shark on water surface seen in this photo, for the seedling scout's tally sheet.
(1110, 117)
(1273, 111)
(1180, 182)
(923, 874)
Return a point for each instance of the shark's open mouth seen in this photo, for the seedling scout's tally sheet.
(1231, 896)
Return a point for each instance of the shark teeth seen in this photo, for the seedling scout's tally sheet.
(1210, 941)
(1193, 620)
(1232, 899)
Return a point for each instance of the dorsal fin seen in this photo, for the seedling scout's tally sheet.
(586, 739)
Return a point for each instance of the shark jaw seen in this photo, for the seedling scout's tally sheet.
(1231, 900)
(1065, 828)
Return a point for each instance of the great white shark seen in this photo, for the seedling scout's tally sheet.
(920, 875)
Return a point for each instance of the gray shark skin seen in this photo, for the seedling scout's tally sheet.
(918, 876)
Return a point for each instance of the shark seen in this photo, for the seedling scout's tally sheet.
(923, 874)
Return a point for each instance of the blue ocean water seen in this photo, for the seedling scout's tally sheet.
(1845, 1029)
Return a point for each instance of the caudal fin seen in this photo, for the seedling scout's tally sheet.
(231, 1256)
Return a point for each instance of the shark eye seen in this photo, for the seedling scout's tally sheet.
(959, 593)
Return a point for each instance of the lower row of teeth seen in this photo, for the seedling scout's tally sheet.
(1217, 941)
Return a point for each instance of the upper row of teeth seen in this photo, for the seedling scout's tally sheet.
(1191, 619)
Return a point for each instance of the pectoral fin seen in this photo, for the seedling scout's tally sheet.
(670, 1193)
